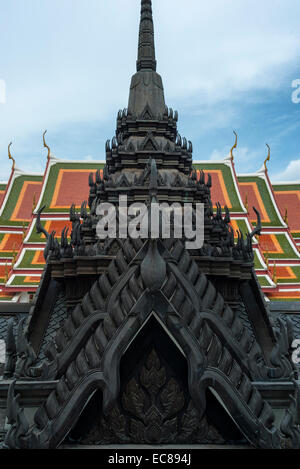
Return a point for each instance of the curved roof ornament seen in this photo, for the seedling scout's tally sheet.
(268, 157)
(234, 146)
(10, 157)
(286, 217)
(45, 144)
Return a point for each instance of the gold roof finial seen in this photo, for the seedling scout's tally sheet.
(267, 259)
(268, 157)
(274, 278)
(246, 203)
(45, 144)
(6, 272)
(23, 231)
(14, 254)
(10, 157)
(286, 219)
(234, 146)
(33, 202)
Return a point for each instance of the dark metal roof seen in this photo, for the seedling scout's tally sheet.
(14, 308)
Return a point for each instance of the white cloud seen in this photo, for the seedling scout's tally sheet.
(88, 158)
(71, 61)
(244, 158)
(217, 155)
(228, 47)
(291, 173)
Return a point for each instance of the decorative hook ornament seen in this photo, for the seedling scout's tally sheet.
(268, 157)
(234, 146)
(45, 144)
(10, 157)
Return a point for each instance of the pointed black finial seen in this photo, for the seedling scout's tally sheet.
(146, 53)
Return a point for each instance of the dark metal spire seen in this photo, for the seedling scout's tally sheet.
(146, 53)
(146, 95)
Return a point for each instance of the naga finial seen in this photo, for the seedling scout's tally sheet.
(6, 272)
(23, 231)
(14, 255)
(10, 157)
(45, 144)
(286, 217)
(246, 203)
(274, 276)
(268, 157)
(234, 146)
(33, 202)
(266, 254)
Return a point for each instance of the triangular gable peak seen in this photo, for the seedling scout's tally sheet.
(147, 113)
(149, 144)
(199, 309)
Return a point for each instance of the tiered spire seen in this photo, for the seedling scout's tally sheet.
(146, 52)
(146, 90)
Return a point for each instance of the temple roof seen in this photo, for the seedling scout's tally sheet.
(102, 302)
(146, 128)
(21, 194)
(18, 199)
(224, 184)
(62, 180)
(66, 182)
(287, 197)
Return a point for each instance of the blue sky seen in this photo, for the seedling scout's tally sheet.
(226, 64)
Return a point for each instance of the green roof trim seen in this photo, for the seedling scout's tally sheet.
(52, 180)
(242, 225)
(13, 199)
(257, 262)
(265, 195)
(296, 271)
(19, 281)
(40, 237)
(288, 251)
(264, 281)
(37, 237)
(286, 187)
(26, 262)
(284, 298)
(7, 254)
(6, 298)
(229, 183)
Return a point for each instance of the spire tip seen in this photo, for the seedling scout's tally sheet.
(146, 52)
